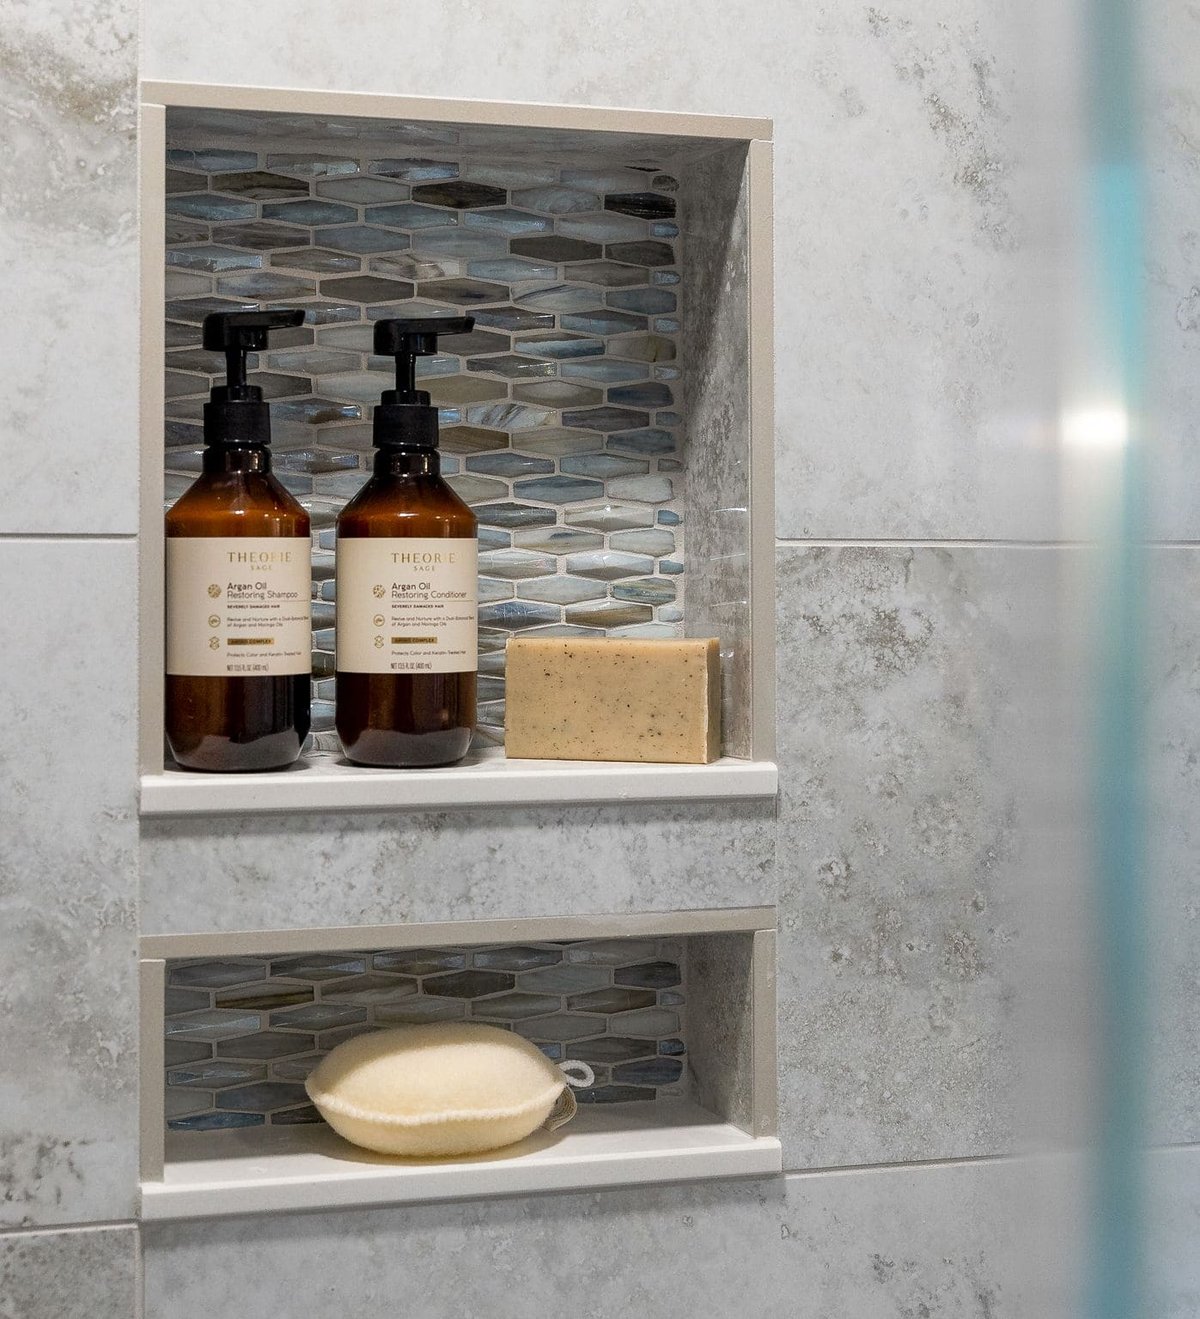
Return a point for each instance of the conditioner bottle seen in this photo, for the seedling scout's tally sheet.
(238, 581)
(406, 582)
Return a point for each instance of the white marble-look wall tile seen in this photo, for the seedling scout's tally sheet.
(900, 238)
(900, 915)
(260, 873)
(872, 1245)
(77, 1273)
(68, 886)
(68, 263)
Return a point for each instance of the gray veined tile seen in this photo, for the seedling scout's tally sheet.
(215, 1121)
(508, 514)
(459, 194)
(557, 394)
(646, 205)
(514, 318)
(509, 464)
(420, 961)
(653, 540)
(177, 229)
(312, 361)
(212, 258)
(472, 439)
(407, 265)
(311, 212)
(362, 191)
(652, 394)
(603, 322)
(556, 200)
(516, 957)
(414, 170)
(313, 165)
(511, 367)
(562, 297)
(489, 590)
(448, 241)
(557, 345)
(259, 186)
(207, 206)
(368, 990)
(648, 253)
(212, 1074)
(608, 274)
(609, 565)
(360, 238)
(264, 997)
(316, 411)
(366, 288)
(508, 416)
(653, 442)
(557, 540)
(643, 347)
(612, 517)
(317, 1016)
(410, 215)
(553, 247)
(555, 442)
(508, 221)
(317, 259)
(214, 1024)
(562, 590)
(511, 270)
(647, 301)
(606, 419)
(604, 371)
(509, 174)
(646, 591)
(212, 160)
(650, 975)
(611, 999)
(665, 325)
(464, 292)
(557, 489)
(262, 235)
(604, 179)
(652, 489)
(263, 285)
(518, 615)
(602, 227)
(603, 465)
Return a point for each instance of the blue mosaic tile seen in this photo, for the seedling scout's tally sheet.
(515, 318)
(313, 165)
(613, 1049)
(602, 227)
(452, 241)
(262, 285)
(664, 229)
(603, 465)
(606, 419)
(261, 1098)
(212, 258)
(562, 297)
(643, 347)
(555, 344)
(605, 371)
(646, 301)
(508, 464)
(185, 1000)
(610, 1000)
(668, 517)
(212, 160)
(409, 215)
(214, 1121)
(558, 540)
(651, 489)
(511, 270)
(664, 325)
(670, 614)
(647, 205)
(490, 538)
(653, 1071)
(671, 1048)
(263, 997)
(517, 615)
(362, 191)
(670, 566)
(464, 292)
(316, 411)
(561, 590)
(652, 442)
(602, 322)
(506, 220)
(365, 288)
(368, 990)
(290, 1117)
(206, 206)
(261, 236)
(260, 186)
(652, 394)
(310, 212)
(511, 367)
(664, 277)
(558, 489)
(178, 1052)
(360, 238)
(654, 1022)
(609, 565)
(507, 416)
(414, 171)
(670, 998)
(608, 274)
(215, 1024)
(316, 1016)
(557, 200)
(611, 517)
(211, 1074)
(420, 1011)
(557, 393)
(653, 541)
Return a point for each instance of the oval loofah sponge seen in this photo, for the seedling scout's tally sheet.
(445, 1089)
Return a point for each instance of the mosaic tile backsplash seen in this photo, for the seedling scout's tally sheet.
(242, 1033)
(560, 413)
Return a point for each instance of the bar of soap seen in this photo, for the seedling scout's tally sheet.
(611, 698)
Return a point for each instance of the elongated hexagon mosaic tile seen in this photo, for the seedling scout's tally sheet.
(560, 412)
(242, 1033)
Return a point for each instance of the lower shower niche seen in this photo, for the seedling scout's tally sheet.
(674, 1014)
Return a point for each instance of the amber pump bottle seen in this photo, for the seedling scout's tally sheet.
(239, 645)
(406, 582)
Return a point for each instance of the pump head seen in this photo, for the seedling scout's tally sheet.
(235, 412)
(404, 417)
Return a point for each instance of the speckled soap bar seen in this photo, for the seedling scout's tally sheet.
(608, 698)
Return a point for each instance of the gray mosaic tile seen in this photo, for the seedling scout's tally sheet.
(508, 221)
(602, 465)
(459, 195)
(311, 212)
(360, 238)
(362, 191)
(611, 517)
(314, 165)
(209, 207)
(557, 345)
(649, 253)
(653, 442)
(562, 589)
(651, 489)
(212, 258)
(606, 371)
(259, 185)
(602, 227)
(451, 241)
(414, 170)
(550, 247)
(603, 322)
(511, 270)
(261, 236)
(212, 160)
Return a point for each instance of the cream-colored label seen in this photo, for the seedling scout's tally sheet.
(238, 606)
(406, 605)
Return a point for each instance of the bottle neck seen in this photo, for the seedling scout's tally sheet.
(392, 461)
(237, 458)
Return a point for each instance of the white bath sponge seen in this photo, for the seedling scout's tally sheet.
(445, 1089)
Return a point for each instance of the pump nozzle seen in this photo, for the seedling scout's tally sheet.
(405, 416)
(235, 412)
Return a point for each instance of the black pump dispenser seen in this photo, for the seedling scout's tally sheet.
(404, 416)
(235, 412)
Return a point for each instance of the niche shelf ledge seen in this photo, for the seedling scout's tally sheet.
(487, 778)
(217, 1173)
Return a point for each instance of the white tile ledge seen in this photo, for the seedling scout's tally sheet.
(487, 778)
(269, 1170)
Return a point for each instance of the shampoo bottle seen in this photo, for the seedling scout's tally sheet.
(239, 645)
(406, 582)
